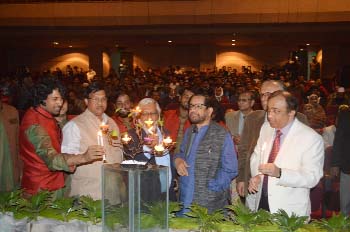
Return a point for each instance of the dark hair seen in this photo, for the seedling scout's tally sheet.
(218, 114)
(44, 88)
(93, 88)
(188, 88)
(251, 93)
(292, 102)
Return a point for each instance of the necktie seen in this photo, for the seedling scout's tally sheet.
(272, 157)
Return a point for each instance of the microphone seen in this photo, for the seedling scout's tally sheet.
(195, 129)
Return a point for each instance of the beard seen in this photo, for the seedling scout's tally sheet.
(196, 118)
(123, 113)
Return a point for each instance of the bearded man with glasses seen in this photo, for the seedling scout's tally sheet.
(207, 161)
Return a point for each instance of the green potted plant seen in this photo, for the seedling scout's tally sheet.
(336, 223)
(289, 223)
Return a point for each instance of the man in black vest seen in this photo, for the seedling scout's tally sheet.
(207, 161)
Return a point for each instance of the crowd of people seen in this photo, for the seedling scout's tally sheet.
(258, 137)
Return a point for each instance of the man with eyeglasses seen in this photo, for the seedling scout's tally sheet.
(81, 132)
(152, 134)
(207, 161)
(235, 122)
(251, 129)
(287, 160)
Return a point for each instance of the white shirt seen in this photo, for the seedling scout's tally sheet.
(328, 135)
(162, 160)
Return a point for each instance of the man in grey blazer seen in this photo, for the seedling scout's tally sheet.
(235, 122)
(250, 134)
(235, 119)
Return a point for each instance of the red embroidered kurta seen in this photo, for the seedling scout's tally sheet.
(38, 150)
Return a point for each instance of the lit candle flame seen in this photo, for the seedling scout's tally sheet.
(126, 138)
(159, 148)
(149, 122)
(167, 140)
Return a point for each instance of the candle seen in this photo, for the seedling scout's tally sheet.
(167, 140)
(149, 122)
(100, 142)
(126, 138)
(262, 155)
(99, 138)
(137, 110)
(104, 127)
(159, 148)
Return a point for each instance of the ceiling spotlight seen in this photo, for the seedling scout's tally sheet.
(56, 43)
(70, 46)
(233, 40)
(307, 44)
(301, 49)
(233, 44)
(169, 41)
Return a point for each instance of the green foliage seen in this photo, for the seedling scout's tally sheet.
(288, 223)
(246, 218)
(173, 208)
(157, 211)
(35, 204)
(64, 207)
(183, 223)
(9, 200)
(117, 214)
(207, 222)
(90, 209)
(335, 223)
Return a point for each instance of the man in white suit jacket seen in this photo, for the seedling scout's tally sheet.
(298, 165)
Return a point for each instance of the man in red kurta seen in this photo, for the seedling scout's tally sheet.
(40, 140)
(176, 121)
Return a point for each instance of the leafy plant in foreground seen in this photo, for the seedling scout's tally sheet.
(35, 204)
(8, 200)
(247, 218)
(335, 223)
(288, 223)
(64, 206)
(157, 210)
(207, 222)
(173, 208)
(91, 209)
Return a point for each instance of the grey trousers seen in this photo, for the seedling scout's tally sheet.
(345, 193)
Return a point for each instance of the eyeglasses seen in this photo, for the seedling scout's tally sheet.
(244, 100)
(99, 100)
(267, 94)
(275, 111)
(196, 106)
(149, 114)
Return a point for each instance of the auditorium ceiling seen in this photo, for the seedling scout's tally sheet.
(324, 34)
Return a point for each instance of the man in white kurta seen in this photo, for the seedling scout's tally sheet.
(298, 165)
(81, 132)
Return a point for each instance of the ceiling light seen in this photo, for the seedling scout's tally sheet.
(70, 46)
(56, 43)
(301, 49)
(233, 44)
(233, 40)
(307, 44)
(169, 41)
